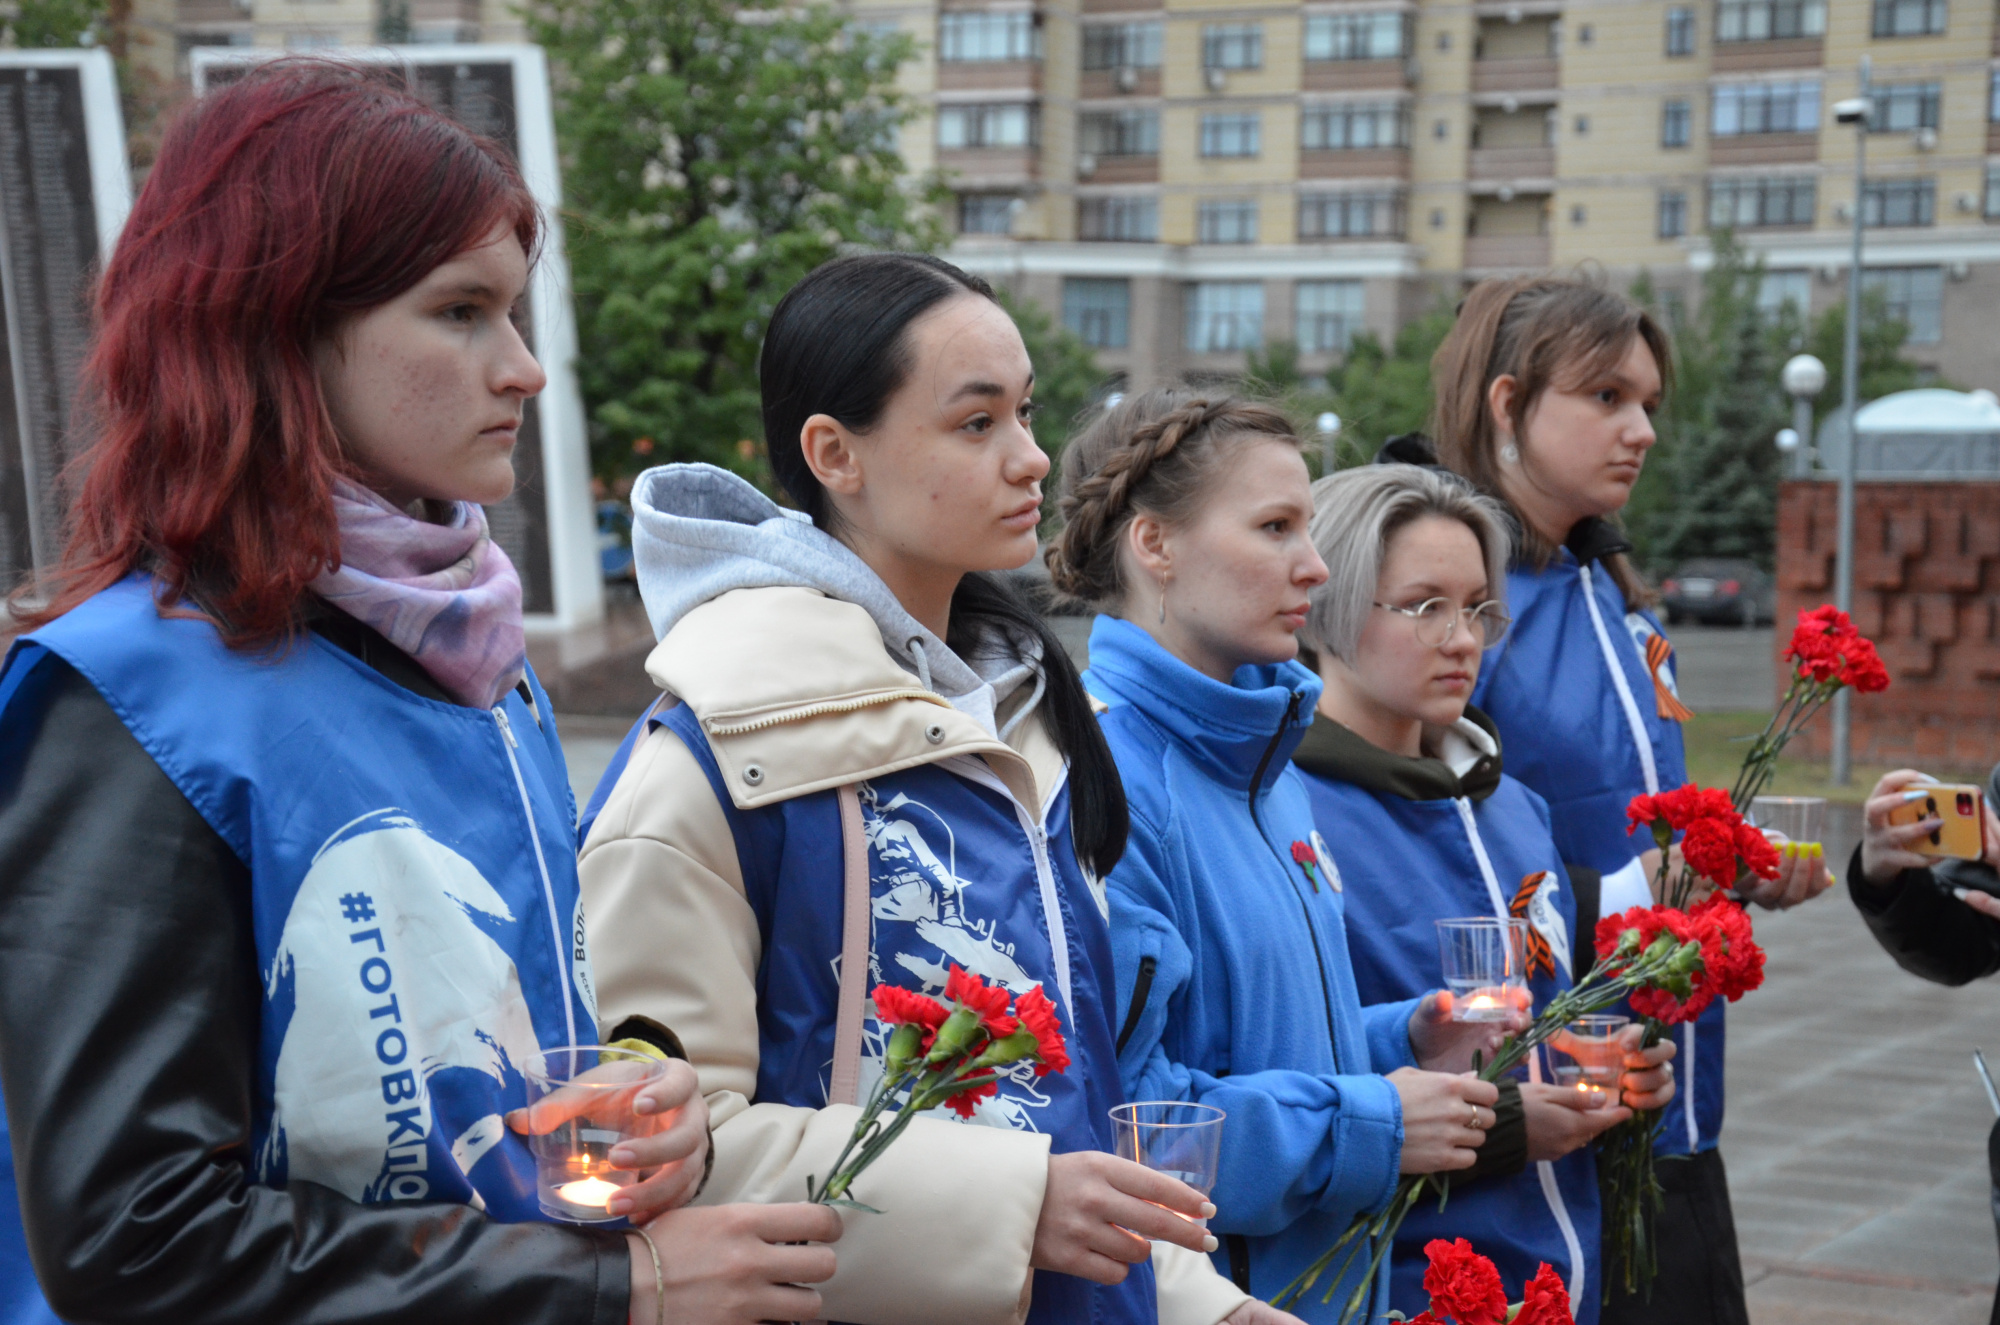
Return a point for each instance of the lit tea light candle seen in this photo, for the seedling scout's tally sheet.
(1593, 1094)
(594, 1192)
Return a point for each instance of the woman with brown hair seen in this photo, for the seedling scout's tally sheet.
(1546, 390)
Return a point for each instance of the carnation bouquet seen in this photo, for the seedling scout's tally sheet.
(1827, 655)
(1465, 1289)
(1636, 960)
(1718, 847)
(939, 1054)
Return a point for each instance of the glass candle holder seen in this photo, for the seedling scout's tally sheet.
(1485, 966)
(1183, 1141)
(1589, 1057)
(580, 1100)
(1795, 818)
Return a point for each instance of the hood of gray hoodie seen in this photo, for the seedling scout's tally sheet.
(699, 532)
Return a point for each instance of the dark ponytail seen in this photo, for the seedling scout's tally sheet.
(838, 345)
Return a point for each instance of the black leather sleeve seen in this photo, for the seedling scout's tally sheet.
(1929, 932)
(129, 1009)
(1505, 1152)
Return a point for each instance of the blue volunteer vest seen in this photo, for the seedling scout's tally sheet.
(958, 873)
(413, 893)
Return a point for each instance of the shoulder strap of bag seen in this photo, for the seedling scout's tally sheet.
(845, 1087)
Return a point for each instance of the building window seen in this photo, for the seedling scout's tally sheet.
(1328, 313)
(1232, 46)
(1353, 126)
(1351, 215)
(1120, 133)
(1993, 193)
(1224, 316)
(1790, 106)
(1915, 297)
(1380, 35)
(1909, 18)
(1226, 221)
(1898, 202)
(1903, 107)
(1993, 97)
(1779, 288)
(1673, 214)
(1121, 46)
(971, 36)
(1680, 31)
(1676, 124)
(1767, 20)
(986, 126)
(1098, 310)
(1131, 220)
(1231, 135)
(985, 213)
(1745, 204)
(1582, 125)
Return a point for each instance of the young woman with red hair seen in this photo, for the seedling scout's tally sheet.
(287, 850)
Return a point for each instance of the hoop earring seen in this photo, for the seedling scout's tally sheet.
(1510, 454)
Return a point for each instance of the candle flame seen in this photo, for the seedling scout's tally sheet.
(588, 1191)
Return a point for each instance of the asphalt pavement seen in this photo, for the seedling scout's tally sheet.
(1856, 1130)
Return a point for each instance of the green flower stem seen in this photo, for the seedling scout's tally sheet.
(872, 1137)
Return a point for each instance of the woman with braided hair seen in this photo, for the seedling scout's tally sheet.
(1185, 524)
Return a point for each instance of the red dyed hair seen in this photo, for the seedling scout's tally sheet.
(281, 205)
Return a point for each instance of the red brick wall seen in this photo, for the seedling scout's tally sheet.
(1927, 591)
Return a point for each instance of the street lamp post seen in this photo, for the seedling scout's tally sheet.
(1328, 424)
(1803, 377)
(1857, 112)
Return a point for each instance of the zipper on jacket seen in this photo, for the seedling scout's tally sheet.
(820, 710)
(1142, 989)
(1305, 909)
(541, 862)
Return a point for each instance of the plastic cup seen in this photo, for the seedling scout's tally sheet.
(1178, 1139)
(1485, 966)
(580, 1100)
(1795, 818)
(1589, 1058)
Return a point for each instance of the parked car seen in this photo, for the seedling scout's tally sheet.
(1720, 590)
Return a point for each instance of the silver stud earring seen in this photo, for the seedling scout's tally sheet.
(1510, 453)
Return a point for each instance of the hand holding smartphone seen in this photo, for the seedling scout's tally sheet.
(1959, 808)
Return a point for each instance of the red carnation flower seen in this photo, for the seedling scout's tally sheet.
(1865, 671)
(1544, 1301)
(989, 1001)
(1709, 847)
(902, 1007)
(1759, 856)
(1732, 960)
(1038, 1014)
(1463, 1284)
(1643, 812)
(966, 1102)
(1302, 852)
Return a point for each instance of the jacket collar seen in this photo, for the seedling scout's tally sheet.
(1593, 539)
(1231, 730)
(1467, 762)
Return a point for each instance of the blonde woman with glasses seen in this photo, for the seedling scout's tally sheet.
(1406, 787)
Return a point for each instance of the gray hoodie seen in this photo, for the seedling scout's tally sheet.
(698, 532)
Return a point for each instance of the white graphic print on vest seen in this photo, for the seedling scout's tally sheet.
(1548, 921)
(924, 919)
(1642, 631)
(1326, 866)
(405, 1012)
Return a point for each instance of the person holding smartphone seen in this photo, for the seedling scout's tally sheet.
(1915, 904)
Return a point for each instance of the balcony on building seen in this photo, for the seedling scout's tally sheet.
(1768, 122)
(1119, 145)
(989, 51)
(1355, 139)
(1517, 49)
(1511, 144)
(1508, 231)
(1769, 34)
(1359, 51)
(989, 145)
(1121, 59)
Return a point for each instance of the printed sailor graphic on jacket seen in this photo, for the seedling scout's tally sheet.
(413, 888)
(1436, 838)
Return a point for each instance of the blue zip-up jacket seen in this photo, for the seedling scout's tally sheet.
(1432, 839)
(1572, 694)
(1234, 983)
(413, 894)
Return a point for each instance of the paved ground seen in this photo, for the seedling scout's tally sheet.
(1856, 1135)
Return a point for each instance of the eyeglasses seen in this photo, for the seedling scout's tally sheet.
(1437, 618)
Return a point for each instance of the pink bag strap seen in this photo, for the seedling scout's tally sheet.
(845, 1086)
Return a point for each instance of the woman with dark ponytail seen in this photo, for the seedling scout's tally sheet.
(1545, 394)
(873, 764)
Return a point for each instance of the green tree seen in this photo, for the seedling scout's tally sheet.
(1380, 393)
(51, 22)
(1068, 381)
(709, 162)
(1884, 370)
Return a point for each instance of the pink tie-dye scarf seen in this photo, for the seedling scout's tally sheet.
(445, 594)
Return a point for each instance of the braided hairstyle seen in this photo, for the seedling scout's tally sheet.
(1154, 452)
(839, 345)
